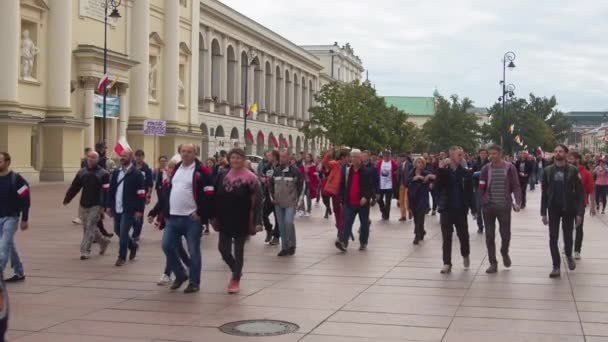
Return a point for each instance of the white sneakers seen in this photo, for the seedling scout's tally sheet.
(577, 255)
(165, 280)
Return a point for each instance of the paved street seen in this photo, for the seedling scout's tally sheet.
(392, 292)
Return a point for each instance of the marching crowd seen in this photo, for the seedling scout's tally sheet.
(228, 195)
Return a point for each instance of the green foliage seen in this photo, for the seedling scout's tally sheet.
(351, 114)
(536, 120)
(452, 124)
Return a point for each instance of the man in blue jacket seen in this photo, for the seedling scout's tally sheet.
(14, 205)
(126, 204)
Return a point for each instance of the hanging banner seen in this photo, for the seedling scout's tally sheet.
(112, 107)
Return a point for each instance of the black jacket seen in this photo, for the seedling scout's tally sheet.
(133, 194)
(366, 187)
(373, 171)
(147, 173)
(19, 203)
(444, 188)
(95, 184)
(203, 190)
(574, 194)
(528, 169)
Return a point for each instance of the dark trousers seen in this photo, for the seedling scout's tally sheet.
(138, 226)
(419, 216)
(350, 212)
(327, 203)
(523, 184)
(435, 198)
(269, 209)
(503, 215)
(567, 221)
(386, 196)
(600, 195)
(578, 241)
(450, 220)
(235, 262)
(122, 227)
(338, 212)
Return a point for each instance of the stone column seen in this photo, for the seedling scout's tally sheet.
(89, 84)
(281, 110)
(273, 89)
(250, 87)
(262, 86)
(306, 100)
(60, 57)
(238, 111)
(171, 61)
(208, 101)
(194, 66)
(123, 119)
(9, 58)
(224, 103)
(140, 52)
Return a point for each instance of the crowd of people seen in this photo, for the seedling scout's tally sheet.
(228, 195)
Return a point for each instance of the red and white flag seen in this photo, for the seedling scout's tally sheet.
(121, 146)
(102, 83)
(23, 191)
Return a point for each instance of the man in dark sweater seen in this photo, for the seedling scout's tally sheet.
(524, 167)
(478, 164)
(146, 172)
(455, 191)
(562, 202)
(95, 184)
(14, 203)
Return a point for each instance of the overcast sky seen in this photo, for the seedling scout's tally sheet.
(412, 46)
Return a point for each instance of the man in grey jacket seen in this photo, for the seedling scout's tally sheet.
(286, 192)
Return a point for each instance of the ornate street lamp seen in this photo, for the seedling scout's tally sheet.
(507, 90)
(113, 4)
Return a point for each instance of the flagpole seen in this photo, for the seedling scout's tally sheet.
(246, 110)
(105, 71)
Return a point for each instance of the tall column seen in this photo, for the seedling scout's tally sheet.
(262, 84)
(171, 61)
(282, 85)
(208, 62)
(140, 52)
(224, 71)
(123, 119)
(60, 57)
(9, 58)
(89, 84)
(306, 99)
(273, 89)
(238, 81)
(250, 86)
(194, 64)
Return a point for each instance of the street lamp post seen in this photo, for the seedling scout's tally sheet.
(114, 15)
(251, 54)
(507, 62)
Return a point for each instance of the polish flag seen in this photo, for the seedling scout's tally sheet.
(23, 191)
(250, 136)
(102, 83)
(121, 146)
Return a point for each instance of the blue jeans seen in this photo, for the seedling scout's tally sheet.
(178, 226)
(350, 213)
(287, 228)
(183, 256)
(122, 227)
(8, 228)
(138, 225)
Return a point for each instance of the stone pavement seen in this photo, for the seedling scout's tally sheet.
(392, 292)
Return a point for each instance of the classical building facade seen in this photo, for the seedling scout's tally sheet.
(193, 64)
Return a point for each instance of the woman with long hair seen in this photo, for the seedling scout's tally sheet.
(600, 173)
(419, 189)
(235, 213)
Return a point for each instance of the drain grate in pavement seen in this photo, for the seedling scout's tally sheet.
(259, 327)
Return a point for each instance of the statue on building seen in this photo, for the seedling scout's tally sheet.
(180, 90)
(28, 53)
(152, 81)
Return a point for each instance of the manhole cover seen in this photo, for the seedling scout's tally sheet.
(261, 327)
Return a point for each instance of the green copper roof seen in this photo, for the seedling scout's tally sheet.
(415, 106)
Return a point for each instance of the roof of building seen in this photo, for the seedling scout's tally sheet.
(413, 105)
(595, 114)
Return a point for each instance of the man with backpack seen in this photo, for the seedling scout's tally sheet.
(14, 205)
(95, 184)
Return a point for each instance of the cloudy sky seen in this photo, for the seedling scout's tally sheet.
(412, 46)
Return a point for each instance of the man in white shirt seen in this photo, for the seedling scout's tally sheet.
(387, 171)
(190, 198)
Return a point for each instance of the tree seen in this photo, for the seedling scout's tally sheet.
(536, 121)
(351, 114)
(452, 124)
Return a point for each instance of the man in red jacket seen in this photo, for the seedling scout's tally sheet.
(575, 159)
(387, 171)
